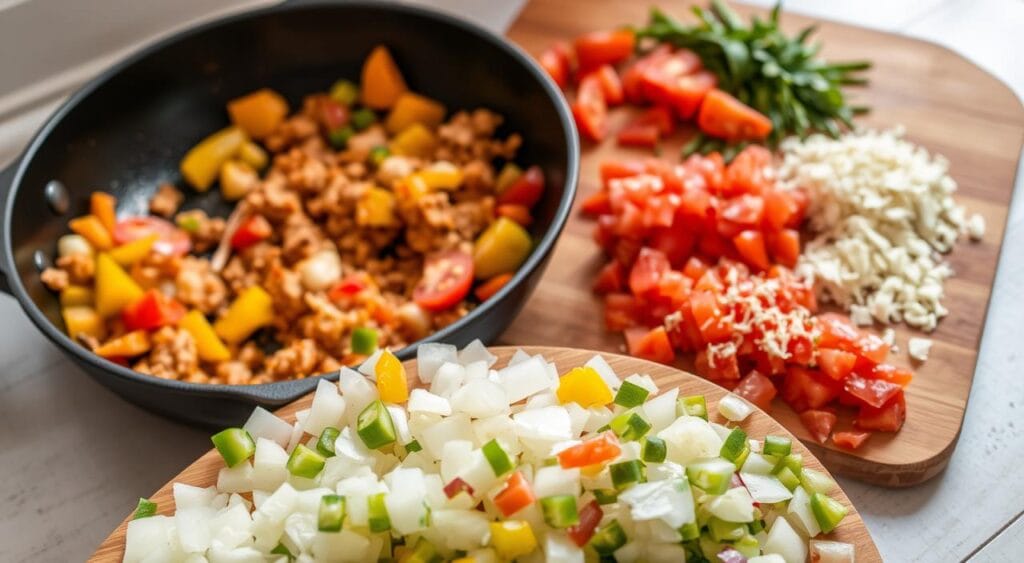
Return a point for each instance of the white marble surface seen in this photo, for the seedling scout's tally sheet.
(74, 457)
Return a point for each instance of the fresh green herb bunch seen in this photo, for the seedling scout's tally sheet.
(777, 75)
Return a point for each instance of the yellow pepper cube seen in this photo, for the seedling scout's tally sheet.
(501, 248)
(202, 163)
(412, 187)
(80, 319)
(76, 295)
(464, 560)
(208, 345)
(415, 140)
(251, 310)
(129, 345)
(513, 538)
(442, 176)
(253, 155)
(391, 382)
(115, 289)
(376, 208)
(131, 252)
(583, 385)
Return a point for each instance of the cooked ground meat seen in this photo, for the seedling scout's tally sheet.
(166, 201)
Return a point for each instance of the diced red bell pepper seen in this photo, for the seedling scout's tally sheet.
(581, 532)
(253, 229)
(152, 311)
(456, 486)
(526, 190)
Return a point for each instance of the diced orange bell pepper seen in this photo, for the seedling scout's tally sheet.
(415, 140)
(382, 82)
(258, 113)
(208, 345)
(412, 187)
(376, 208)
(128, 345)
(516, 495)
(391, 382)
(413, 108)
(76, 295)
(593, 453)
(501, 248)
(104, 207)
(487, 289)
(81, 319)
(513, 538)
(131, 252)
(115, 289)
(93, 230)
(584, 386)
(251, 310)
(202, 163)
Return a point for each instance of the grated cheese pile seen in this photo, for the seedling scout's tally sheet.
(882, 211)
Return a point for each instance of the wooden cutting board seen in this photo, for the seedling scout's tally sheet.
(946, 104)
(203, 473)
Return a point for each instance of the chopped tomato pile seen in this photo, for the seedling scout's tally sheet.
(699, 262)
(672, 81)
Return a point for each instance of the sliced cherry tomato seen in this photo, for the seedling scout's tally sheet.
(873, 392)
(638, 135)
(611, 279)
(581, 532)
(487, 289)
(888, 418)
(590, 110)
(600, 449)
(836, 364)
(518, 213)
(526, 190)
(819, 423)
(723, 116)
(651, 344)
(850, 439)
(171, 240)
(603, 47)
(555, 61)
(447, 277)
(254, 229)
(611, 85)
(757, 389)
(152, 311)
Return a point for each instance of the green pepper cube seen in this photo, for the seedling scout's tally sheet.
(374, 426)
(605, 496)
(340, 136)
(654, 450)
(377, 513)
(726, 531)
(364, 340)
(422, 552)
(827, 511)
(711, 475)
(608, 538)
(280, 549)
(144, 509)
(689, 531)
(234, 444)
(331, 514)
(757, 526)
(816, 481)
(560, 511)
(748, 546)
(787, 478)
(627, 473)
(305, 462)
(735, 448)
(777, 445)
(325, 443)
(363, 118)
(631, 395)
(345, 92)
(793, 462)
(413, 447)
(694, 405)
(378, 154)
(629, 426)
(498, 459)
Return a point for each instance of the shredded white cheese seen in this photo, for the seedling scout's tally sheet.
(881, 210)
(919, 348)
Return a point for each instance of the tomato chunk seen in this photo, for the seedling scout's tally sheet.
(638, 135)
(888, 418)
(819, 423)
(850, 439)
(872, 392)
(651, 344)
(757, 389)
(590, 110)
(836, 364)
(555, 61)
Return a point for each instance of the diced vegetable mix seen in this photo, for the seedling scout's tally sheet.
(534, 478)
(383, 185)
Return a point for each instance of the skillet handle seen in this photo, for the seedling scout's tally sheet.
(6, 178)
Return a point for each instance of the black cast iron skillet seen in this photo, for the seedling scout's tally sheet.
(126, 131)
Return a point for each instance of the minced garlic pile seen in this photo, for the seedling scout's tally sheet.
(881, 212)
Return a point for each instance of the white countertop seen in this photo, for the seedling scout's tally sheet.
(74, 457)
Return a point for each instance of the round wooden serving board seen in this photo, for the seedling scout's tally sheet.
(203, 472)
(947, 104)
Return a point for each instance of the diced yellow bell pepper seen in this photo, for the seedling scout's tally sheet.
(208, 345)
(131, 252)
(464, 560)
(253, 155)
(91, 228)
(237, 179)
(513, 538)
(376, 208)
(412, 187)
(508, 175)
(81, 319)
(382, 82)
(584, 386)
(76, 295)
(592, 470)
(202, 162)
(103, 206)
(415, 140)
(441, 176)
(259, 112)
(252, 310)
(115, 289)
(128, 345)
(501, 248)
(413, 108)
(391, 382)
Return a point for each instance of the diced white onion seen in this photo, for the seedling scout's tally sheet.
(734, 408)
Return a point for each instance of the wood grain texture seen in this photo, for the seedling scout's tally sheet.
(203, 473)
(946, 104)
